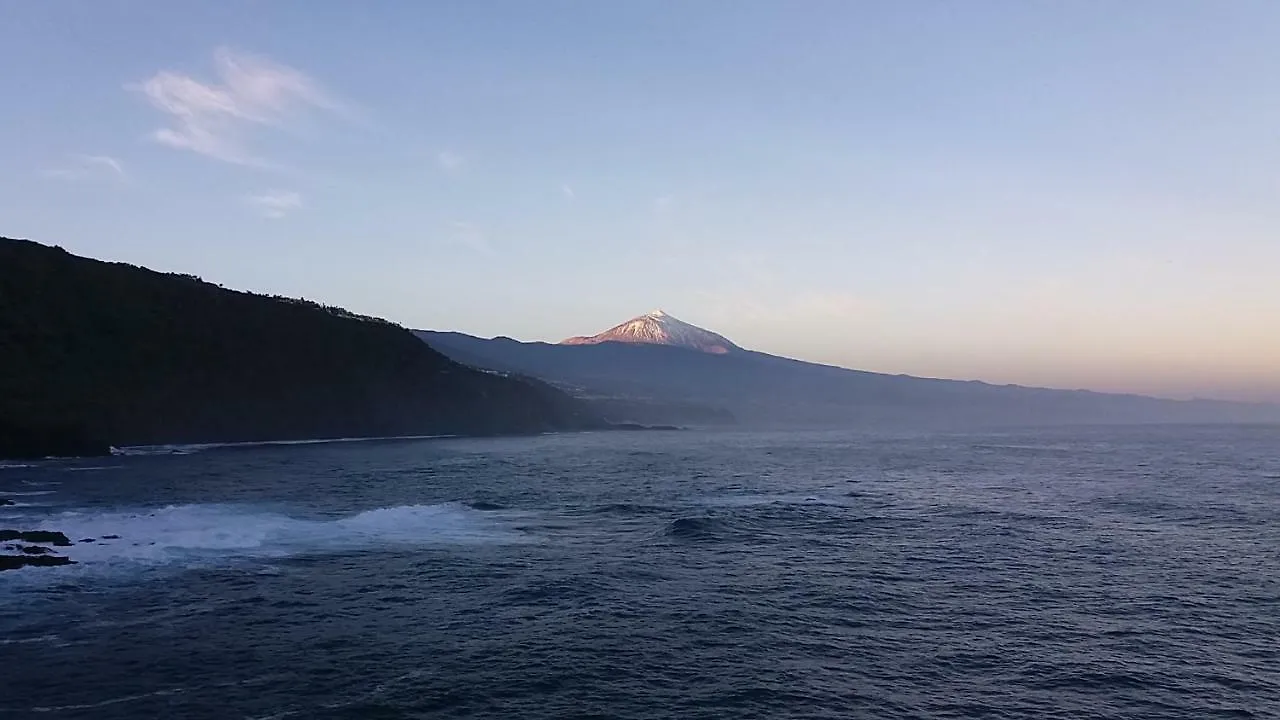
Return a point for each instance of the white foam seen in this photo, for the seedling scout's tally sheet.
(14, 466)
(160, 449)
(25, 493)
(191, 533)
(104, 703)
(190, 448)
(29, 640)
(411, 523)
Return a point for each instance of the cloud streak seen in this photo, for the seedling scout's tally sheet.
(449, 161)
(216, 119)
(276, 204)
(83, 166)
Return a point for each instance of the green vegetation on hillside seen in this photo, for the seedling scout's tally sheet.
(95, 353)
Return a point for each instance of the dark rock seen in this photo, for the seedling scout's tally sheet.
(36, 536)
(110, 537)
(482, 505)
(88, 540)
(13, 562)
(48, 536)
(5, 501)
(36, 550)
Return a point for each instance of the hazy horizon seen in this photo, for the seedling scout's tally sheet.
(1225, 392)
(1058, 195)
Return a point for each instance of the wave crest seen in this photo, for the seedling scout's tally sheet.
(695, 528)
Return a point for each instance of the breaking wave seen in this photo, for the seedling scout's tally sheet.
(695, 528)
(191, 533)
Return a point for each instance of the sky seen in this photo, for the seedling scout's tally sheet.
(1079, 195)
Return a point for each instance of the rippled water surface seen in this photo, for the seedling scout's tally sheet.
(1084, 573)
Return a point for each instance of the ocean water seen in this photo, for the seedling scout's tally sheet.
(1069, 573)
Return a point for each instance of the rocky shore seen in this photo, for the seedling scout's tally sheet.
(34, 548)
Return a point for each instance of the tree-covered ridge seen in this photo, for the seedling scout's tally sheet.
(114, 353)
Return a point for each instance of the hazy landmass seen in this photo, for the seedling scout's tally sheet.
(667, 370)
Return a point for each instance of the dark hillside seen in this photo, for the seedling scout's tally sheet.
(97, 352)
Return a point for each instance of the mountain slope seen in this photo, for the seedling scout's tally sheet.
(123, 355)
(659, 328)
(620, 381)
(758, 389)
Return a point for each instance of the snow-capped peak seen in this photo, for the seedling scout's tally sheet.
(659, 328)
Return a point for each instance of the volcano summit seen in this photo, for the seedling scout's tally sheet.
(659, 328)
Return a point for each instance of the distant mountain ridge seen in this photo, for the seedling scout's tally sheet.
(659, 328)
(94, 353)
(655, 366)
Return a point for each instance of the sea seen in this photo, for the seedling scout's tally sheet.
(1086, 572)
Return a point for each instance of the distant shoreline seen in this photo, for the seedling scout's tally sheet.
(193, 448)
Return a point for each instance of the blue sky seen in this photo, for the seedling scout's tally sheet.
(1065, 194)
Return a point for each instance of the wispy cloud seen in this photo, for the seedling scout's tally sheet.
(569, 194)
(84, 166)
(664, 205)
(275, 204)
(470, 236)
(215, 119)
(449, 161)
(104, 161)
